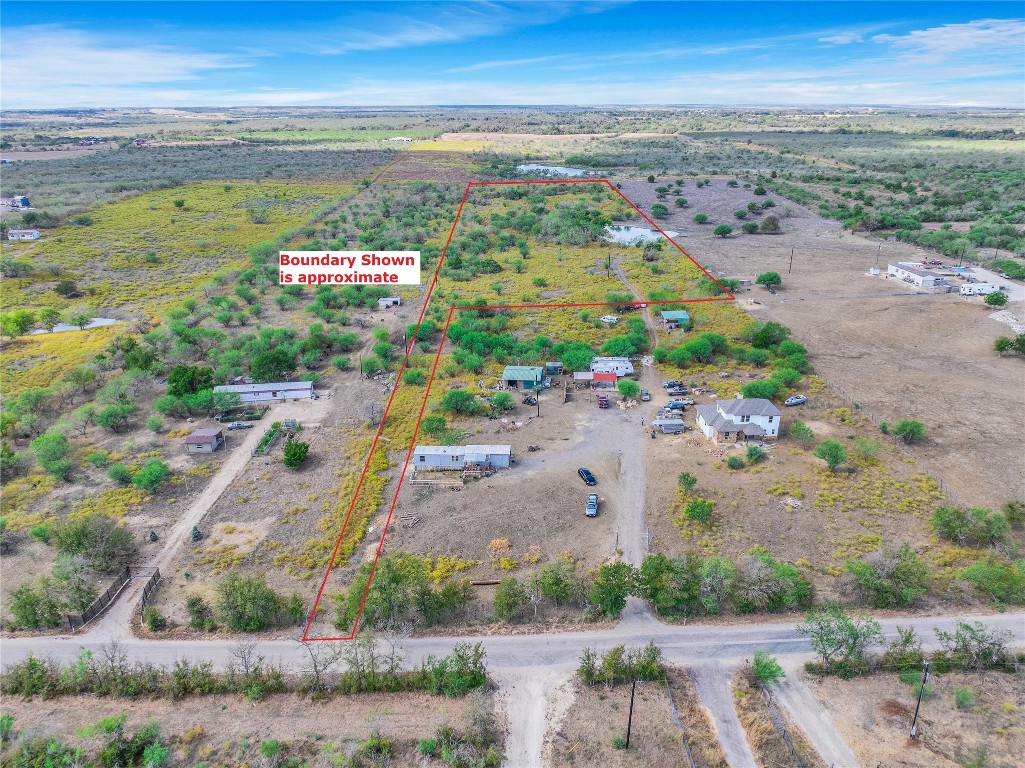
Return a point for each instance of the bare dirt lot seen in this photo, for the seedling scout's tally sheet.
(584, 735)
(910, 356)
(228, 730)
(874, 716)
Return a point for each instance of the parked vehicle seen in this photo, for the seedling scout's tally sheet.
(669, 425)
(591, 510)
(645, 396)
(609, 319)
(796, 400)
(678, 405)
(586, 476)
(603, 400)
(241, 425)
(676, 391)
(671, 384)
(683, 400)
(529, 400)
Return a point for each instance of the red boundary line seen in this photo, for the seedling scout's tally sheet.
(441, 345)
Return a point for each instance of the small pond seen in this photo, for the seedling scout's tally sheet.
(627, 235)
(551, 170)
(96, 322)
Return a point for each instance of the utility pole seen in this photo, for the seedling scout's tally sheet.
(921, 694)
(791, 261)
(630, 719)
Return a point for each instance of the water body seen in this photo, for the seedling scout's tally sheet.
(96, 322)
(627, 235)
(551, 170)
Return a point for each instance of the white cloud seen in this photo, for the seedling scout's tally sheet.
(843, 38)
(990, 38)
(38, 58)
(503, 63)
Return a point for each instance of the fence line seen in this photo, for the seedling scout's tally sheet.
(78, 620)
(679, 725)
(781, 729)
(856, 405)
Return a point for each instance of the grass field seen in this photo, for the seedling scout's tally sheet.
(293, 136)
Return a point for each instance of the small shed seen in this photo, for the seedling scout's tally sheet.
(675, 318)
(523, 376)
(553, 368)
(389, 301)
(439, 456)
(606, 380)
(23, 234)
(204, 440)
(20, 201)
(583, 376)
(497, 456)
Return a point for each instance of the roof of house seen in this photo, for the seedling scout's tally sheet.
(710, 415)
(522, 373)
(275, 386)
(914, 269)
(440, 450)
(748, 406)
(489, 449)
(583, 376)
(604, 376)
(675, 314)
(204, 436)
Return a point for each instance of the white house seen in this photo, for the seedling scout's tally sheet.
(23, 234)
(620, 366)
(461, 456)
(734, 420)
(204, 440)
(262, 393)
(914, 274)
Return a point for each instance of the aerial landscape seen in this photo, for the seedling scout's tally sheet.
(694, 441)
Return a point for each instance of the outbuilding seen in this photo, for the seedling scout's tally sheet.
(23, 234)
(604, 380)
(389, 301)
(523, 376)
(675, 318)
(461, 456)
(497, 456)
(270, 392)
(204, 440)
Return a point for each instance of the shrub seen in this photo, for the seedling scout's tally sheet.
(102, 541)
(687, 481)
(415, 377)
(749, 228)
(755, 454)
(341, 362)
(153, 619)
(628, 389)
(295, 452)
(36, 606)
(1000, 580)
(976, 527)
(766, 669)
(734, 462)
(764, 388)
(841, 639)
(459, 673)
(51, 450)
(996, 299)
(802, 433)
(832, 452)
(770, 225)
(154, 423)
(909, 430)
(722, 230)
(510, 597)
(964, 695)
(153, 474)
(247, 604)
(120, 473)
(700, 218)
(890, 577)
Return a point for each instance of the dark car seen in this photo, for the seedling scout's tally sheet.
(586, 476)
(671, 384)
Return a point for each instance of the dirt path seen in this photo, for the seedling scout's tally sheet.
(533, 700)
(713, 684)
(802, 706)
(116, 622)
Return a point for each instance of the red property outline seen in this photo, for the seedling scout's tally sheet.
(441, 345)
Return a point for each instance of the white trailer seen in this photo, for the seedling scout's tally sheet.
(620, 366)
(979, 289)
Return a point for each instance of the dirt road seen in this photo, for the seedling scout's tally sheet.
(805, 710)
(713, 684)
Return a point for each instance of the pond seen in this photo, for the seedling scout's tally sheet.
(551, 170)
(627, 235)
(96, 322)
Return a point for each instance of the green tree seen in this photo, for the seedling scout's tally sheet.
(510, 597)
(628, 388)
(749, 228)
(36, 606)
(51, 450)
(434, 424)
(153, 474)
(766, 669)
(769, 279)
(659, 211)
(461, 401)
(699, 510)
(975, 527)
(687, 482)
(840, 639)
(700, 218)
(295, 453)
(555, 581)
(770, 225)
(909, 430)
(890, 578)
(612, 585)
(16, 323)
(105, 543)
(997, 299)
(672, 585)
(763, 388)
(832, 452)
(503, 401)
(113, 417)
(247, 604)
(755, 454)
(802, 433)
(49, 317)
(722, 230)
(189, 379)
(740, 214)
(273, 365)
(680, 202)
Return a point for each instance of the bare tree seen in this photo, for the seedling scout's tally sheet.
(322, 657)
(243, 653)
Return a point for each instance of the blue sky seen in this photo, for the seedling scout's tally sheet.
(157, 54)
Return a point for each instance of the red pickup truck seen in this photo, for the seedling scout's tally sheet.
(603, 400)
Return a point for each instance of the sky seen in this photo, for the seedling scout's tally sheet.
(249, 53)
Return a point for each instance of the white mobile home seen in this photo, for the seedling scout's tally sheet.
(620, 366)
(913, 273)
(270, 392)
(23, 234)
(461, 456)
(979, 289)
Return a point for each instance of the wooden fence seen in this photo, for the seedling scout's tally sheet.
(78, 620)
(799, 760)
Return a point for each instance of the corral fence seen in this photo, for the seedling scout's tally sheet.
(871, 416)
(679, 725)
(78, 620)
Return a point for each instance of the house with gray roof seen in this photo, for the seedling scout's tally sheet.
(730, 421)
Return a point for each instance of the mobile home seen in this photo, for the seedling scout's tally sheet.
(979, 289)
(620, 366)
